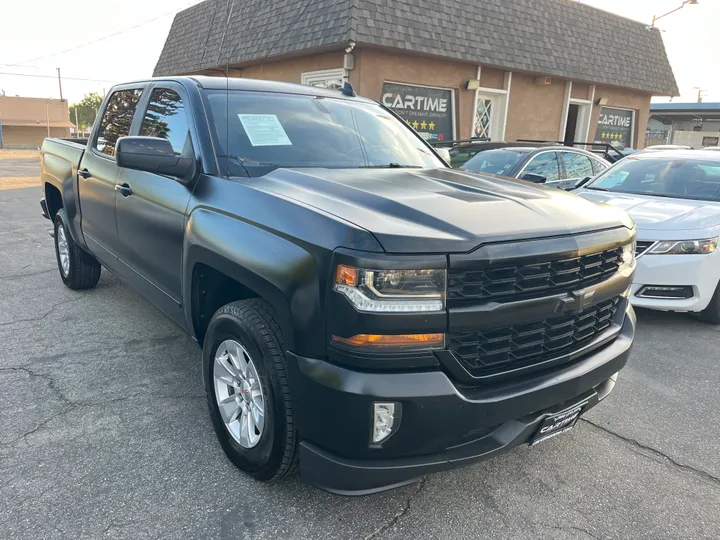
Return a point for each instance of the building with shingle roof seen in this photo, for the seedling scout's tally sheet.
(503, 69)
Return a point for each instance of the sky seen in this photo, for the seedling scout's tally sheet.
(112, 41)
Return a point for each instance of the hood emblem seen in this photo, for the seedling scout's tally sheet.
(575, 301)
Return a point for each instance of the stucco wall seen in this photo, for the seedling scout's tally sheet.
(29, 136)
(22, 109)
(535, 110)
(492, 78)
(288, 70)
(580, 91)
(376, 66)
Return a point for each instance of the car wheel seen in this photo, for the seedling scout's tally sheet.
(78, 269)
(711, 314)
(247, 390)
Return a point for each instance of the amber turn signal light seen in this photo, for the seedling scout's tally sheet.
(346, 275)
(401, 341)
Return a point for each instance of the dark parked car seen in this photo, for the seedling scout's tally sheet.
(461, 153)
(557, 166)
(366, 314)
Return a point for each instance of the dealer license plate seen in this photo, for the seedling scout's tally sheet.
(558, 423)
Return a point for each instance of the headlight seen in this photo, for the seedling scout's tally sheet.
(392, 290)
(627, 259)
(684, 247)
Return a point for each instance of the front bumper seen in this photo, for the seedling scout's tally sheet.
(702, 272)
(443, 425)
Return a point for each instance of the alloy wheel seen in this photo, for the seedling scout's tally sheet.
(239, 393)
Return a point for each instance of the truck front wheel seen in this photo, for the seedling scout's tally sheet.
(78, 269)
(247, 390)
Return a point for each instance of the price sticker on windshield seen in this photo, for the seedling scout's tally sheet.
(264, 130)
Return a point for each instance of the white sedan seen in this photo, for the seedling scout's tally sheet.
(674, 198)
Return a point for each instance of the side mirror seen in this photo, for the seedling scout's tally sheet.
(154, 155)
(535, 178)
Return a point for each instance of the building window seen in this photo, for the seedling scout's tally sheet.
(483, 118)
(325, 78)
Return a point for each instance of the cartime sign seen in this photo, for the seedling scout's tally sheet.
(614, 127)
(428, 110)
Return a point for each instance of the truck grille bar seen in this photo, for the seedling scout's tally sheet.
(533, 280)
(499, 350)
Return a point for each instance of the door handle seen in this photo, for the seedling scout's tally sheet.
(85, 173)
(124, 189)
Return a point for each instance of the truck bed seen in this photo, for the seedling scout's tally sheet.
(59, 163)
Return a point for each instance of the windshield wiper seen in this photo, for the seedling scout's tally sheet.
(596, 188)
(391, 166)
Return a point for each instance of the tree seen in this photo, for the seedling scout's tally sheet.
(87, 108)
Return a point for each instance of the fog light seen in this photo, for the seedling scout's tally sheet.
(383, 421)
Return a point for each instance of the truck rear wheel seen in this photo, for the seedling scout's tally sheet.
(247, 390)
(78, 269)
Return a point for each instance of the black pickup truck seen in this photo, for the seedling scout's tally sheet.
(366, 313)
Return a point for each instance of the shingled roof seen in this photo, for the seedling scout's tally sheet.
(555, 37)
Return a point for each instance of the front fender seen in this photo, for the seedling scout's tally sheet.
(283, 273)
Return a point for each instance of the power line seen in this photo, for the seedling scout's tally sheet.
(54, 77)
(18, 64)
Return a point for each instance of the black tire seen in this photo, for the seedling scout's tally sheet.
(711, 314)
(84, 270)
(252, 324)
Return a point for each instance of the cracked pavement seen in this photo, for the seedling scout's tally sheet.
(104, 434)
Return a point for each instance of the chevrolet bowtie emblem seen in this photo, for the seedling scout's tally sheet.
(575, 301)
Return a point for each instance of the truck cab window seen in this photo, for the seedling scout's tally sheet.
(117, 119)
(165, 117)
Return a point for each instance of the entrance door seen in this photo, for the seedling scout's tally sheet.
(578, 121)
(571, 126)
(489, 116)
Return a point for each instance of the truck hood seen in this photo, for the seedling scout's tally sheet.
(440, 210)
(661, 213)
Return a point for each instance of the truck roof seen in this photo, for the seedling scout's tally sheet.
(255, 85)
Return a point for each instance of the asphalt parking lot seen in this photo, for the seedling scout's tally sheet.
(104, 433)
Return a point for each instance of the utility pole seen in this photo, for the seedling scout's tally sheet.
(77, 124)
(47, 115)
(60, 84)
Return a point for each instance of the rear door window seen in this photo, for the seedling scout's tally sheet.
(598, 166)
(545, 164)
(117, 119)
(165, 118)
(576, 165)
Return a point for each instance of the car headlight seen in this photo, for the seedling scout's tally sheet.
(392, 290)
(627, 258)
(684, 247)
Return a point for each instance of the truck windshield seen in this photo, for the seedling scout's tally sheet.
(681, 177)
(261, 131)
